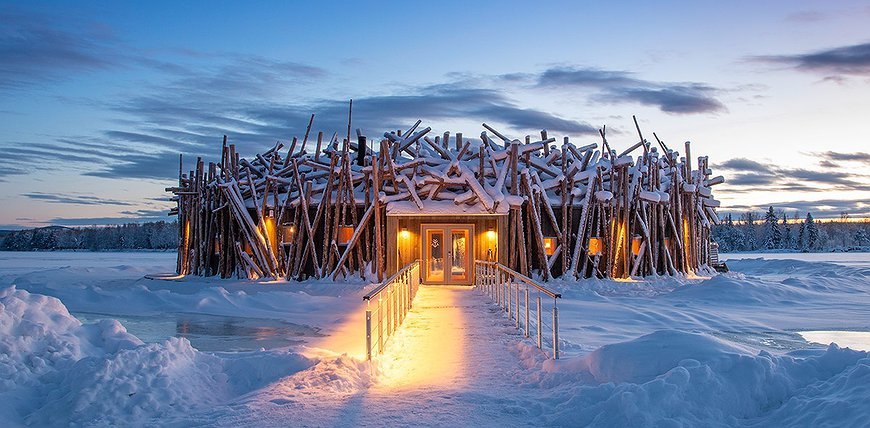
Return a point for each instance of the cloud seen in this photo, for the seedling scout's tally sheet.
(820, 177)
(750, 175)
(743, 164)
(156, 166)
(170, 123)
(832, 157)
(752, 180)
(674, 99)
(102, 221)
(588, 77)
(78, 199)
(36, 49)
(844, 60)
(806, 16)
(619, 86)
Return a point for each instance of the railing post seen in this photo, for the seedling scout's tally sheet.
(508, 296)
(498, 286)
(368, 334)
(389, 312)
(540, 334)
(555, 331)
(401, 300)
(517, 305)
(380, 325)
(527, 312)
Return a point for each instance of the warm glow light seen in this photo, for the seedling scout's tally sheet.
(271, 232)
(404, 234)
(344, 234)
(635, 245)
(490, 234)
(428, 349)
(289, 231)
(549, 245)
(686, 238)
(594, 246)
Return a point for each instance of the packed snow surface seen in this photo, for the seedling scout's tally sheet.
(718, 351)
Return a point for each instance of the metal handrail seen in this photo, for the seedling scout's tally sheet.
(502, 284)
(523, 278)
(394, 298)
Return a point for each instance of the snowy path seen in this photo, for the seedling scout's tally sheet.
(453, 362)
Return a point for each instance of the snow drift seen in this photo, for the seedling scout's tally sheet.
(673, 378)
(56, 370)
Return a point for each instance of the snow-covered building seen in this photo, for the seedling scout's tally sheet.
(541, 206)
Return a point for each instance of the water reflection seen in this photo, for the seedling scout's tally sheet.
(212, 332)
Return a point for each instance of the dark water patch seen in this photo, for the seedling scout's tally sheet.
(212, 333)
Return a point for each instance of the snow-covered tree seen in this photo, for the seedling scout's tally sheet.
(751, 241)
(787, 235)
(772, 234)
(812, 232)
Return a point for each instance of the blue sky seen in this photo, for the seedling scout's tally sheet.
(98, 98)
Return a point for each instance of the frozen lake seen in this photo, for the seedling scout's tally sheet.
(845, 259)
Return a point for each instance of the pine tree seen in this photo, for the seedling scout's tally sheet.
(749, 238)
(812, 232)
(802, 237)
(787, 236)
(772, 234)
(862, 238)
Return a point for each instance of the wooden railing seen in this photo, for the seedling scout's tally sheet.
(388, 304)
(504, 286)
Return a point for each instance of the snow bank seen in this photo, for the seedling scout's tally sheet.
(38, 335)
(672, 378)
(56, 370)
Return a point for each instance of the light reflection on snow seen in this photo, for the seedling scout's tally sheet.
(857, 340)
(429, 348)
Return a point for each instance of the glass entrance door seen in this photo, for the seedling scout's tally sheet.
(447, 254)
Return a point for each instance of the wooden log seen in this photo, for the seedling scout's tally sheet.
(377, 232)
(354, 239)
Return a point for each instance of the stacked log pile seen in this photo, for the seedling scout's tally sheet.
(287, 212)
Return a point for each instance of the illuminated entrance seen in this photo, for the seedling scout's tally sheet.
(447, 253)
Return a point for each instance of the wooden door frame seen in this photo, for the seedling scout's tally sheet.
(448, 228)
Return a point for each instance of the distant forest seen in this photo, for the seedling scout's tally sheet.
(158, 235)
(772, 231)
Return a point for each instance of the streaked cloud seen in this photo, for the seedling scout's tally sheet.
(743, 164)
(78, 199)
(36, 49)
(746, 175)
(831, 157)
(834, 62)
(622, 87)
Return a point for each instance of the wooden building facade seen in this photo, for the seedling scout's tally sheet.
(329, 208)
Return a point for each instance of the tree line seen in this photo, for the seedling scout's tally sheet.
(775, 231)
(159, 235)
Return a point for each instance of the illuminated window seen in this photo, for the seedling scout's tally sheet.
(344, 234)
(549, 245)
(635, 245)
(594, 246)
(288, 231)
